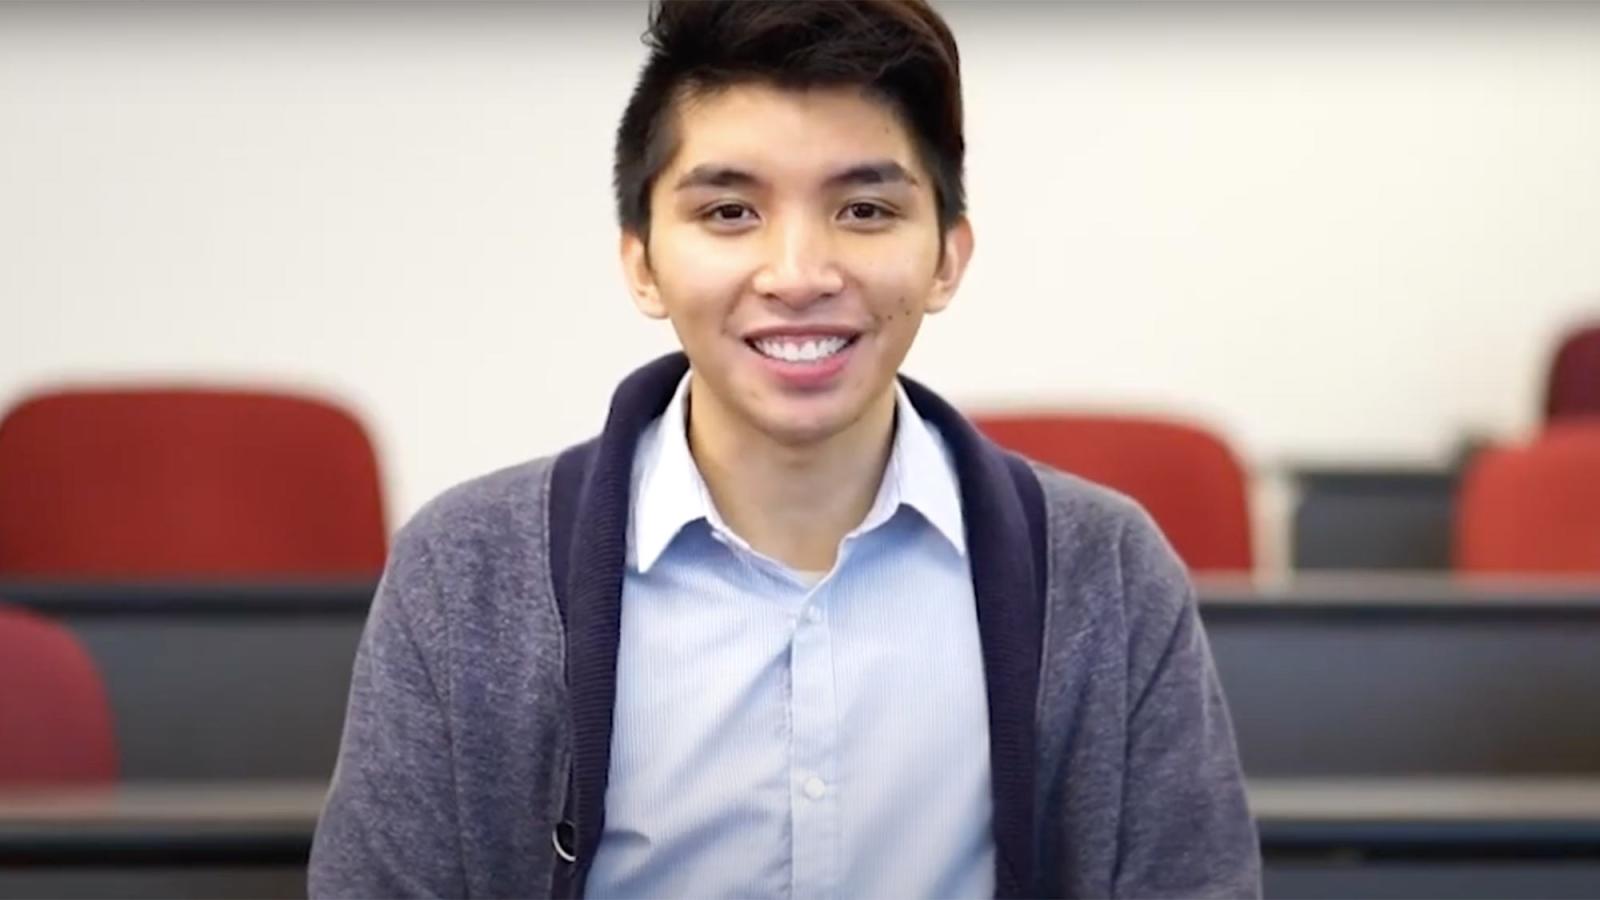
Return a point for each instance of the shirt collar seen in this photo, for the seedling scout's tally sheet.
(921, 474)
(669, 493)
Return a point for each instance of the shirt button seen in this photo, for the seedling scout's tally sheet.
(813, 614)
(815, 788)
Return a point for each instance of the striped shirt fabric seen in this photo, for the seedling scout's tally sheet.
(780, 734)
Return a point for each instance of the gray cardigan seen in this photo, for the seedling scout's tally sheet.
(477, 737)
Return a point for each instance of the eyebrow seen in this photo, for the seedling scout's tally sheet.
(714, 175)
(878, 172)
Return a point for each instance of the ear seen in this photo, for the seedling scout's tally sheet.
(635, 252)
(952, 264)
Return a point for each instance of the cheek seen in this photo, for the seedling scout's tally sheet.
(697, 281)
(900, 288)
(895, 313)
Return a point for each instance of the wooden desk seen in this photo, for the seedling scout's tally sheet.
(1373, 517)
(1326, 675)
(217, 682)
(1392, 674)
(1476, 817)
(1396, 837)
(255, 822)
(227, 840)
(1429, 837)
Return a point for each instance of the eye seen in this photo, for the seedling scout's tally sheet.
(726, 214)
(863, 211)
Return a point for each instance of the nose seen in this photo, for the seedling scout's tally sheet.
(799, 268)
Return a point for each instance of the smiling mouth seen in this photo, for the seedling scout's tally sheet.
(802, 349)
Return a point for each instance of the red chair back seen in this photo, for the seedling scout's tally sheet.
(1535, 508)
(1574, 388)
(55, 722)
(1187, 478)
(131, 484)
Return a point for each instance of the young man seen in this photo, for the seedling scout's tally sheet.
(789, 627)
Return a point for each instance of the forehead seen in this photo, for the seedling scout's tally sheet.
(779, 132)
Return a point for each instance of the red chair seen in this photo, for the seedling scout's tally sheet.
(131, 484)
(55, 722)
(1535, 508)
(1574, 388)
(1188, 479)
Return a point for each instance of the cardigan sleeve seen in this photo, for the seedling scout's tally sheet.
(389, 827)
(1186, 828)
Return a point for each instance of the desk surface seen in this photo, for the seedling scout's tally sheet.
(350, 599)
(200, 804)
(1426, 799)
(1473, 817)
(226, 805)
(1401, 589)
(260, 823)
(275, 820)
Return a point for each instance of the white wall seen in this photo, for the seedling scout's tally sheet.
(1337, 232)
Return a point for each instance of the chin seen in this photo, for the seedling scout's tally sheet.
(799, 422)
(798, 431)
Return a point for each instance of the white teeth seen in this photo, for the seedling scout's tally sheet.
(808, 350)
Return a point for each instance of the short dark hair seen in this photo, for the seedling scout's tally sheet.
(899, 50)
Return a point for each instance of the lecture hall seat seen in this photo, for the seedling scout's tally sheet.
(1574, 382)
(153, 484)
(1535, 508)
(1186, 477)
(55, 721)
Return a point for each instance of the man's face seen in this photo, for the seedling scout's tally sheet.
(795, 246)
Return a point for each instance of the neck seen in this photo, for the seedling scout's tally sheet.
(794, 503)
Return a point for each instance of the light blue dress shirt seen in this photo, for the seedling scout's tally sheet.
(775, 735)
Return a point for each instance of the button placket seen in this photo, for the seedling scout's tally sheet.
(814, 714)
